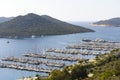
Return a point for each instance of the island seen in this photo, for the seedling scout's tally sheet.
(36, 25)
(115, 22)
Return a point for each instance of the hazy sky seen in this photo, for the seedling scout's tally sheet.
(67, 10)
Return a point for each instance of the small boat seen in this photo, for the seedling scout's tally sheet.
(33, 36)
(86, 40)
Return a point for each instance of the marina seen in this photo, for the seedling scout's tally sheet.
(87, 47)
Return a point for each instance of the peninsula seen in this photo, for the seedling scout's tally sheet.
(115, 22)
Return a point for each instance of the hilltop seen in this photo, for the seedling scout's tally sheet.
(33, 24)
(110, 22)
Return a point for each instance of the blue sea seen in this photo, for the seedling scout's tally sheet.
(17, 47)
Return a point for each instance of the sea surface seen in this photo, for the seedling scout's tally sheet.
(17, 47)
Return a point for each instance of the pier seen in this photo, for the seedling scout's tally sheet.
(32, 61)
(64, 51)
(54, 57)
(84, 51)
(23, 67)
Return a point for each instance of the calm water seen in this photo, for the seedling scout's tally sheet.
(17, 47)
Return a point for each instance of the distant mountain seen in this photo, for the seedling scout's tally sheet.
(4, 19)
(110, 22)
(32, 24)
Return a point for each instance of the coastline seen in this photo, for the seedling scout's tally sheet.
(102, 25)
